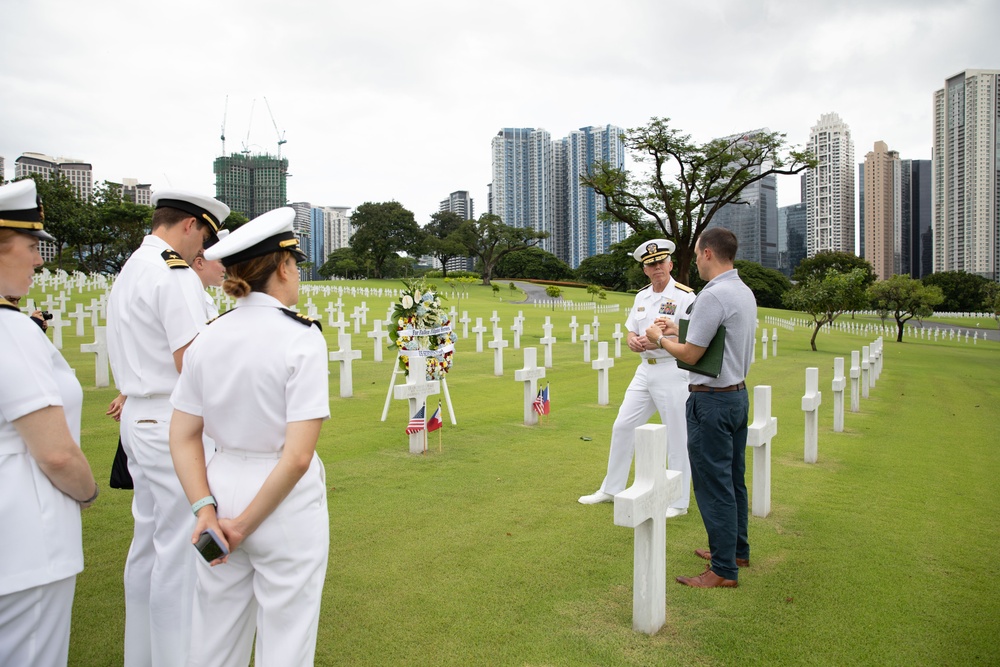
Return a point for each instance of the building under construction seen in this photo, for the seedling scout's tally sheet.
(251, 184)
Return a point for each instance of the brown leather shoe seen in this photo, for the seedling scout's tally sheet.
(707, 555)
(708, 579)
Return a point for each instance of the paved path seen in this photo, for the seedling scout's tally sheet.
(533, 293)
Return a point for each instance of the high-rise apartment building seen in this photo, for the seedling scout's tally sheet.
(882, 219)
(585, 234)
(251, 184)
(829, 196)
(522, 175)
(536, 184)
(460, 203)
(754, 218)
(331, 231)
(791, 237)
(302, 228)
(966, 178)
(80, 174)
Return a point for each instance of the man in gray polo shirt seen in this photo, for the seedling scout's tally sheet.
(717, 408)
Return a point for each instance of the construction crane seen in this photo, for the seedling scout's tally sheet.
(223, 135)
(246, 144)
(281, 135)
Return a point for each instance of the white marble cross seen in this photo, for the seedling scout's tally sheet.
(345, 355)
(774, 342)
(416, 390)
(49, 303)
(586, 338)
(618, 335)
(573, 326)
(364, 312)
(339, 324)
(100, 348)
(94, 309)
(759, 435)
(810, 405)
(464, 320)
(356, 316)
(839, 382)
(56, 324)
(763, 340)
(479, 330)
(855, 381)
(602, 365)
(547, 342)
(497, 345)
(62, 299)
(643, 506)
(495, 320)
(595, 327)
(379, 337)
(79, 316)
(865, 371)
(530, 375)
(518, 329)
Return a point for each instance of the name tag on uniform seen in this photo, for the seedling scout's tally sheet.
(640, 309)
(668, 307)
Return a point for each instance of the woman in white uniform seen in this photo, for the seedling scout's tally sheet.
(44, 477)
(256, 381)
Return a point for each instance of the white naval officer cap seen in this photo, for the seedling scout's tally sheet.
(21, 209)
(209, 210)
(654, 250)
(267, 233)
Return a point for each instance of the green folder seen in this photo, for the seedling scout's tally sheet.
(711, 362)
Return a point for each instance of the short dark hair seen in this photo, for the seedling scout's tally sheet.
(168, 217)
(722, 242)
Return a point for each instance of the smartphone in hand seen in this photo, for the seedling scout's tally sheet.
(210, 546)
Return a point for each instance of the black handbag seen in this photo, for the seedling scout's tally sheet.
(120, 476)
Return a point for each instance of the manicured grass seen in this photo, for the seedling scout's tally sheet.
(877, 554)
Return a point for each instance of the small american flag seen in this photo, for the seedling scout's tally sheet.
(416, 422)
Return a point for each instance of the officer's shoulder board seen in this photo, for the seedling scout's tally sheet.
(300, 318)
(4, 303)
(219, 315)
(173, 260)
(645, 288)
(683, 288)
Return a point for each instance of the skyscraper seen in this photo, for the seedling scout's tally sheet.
(251, 184)
(883, 214)
(918, 241)
(966, 188)
(791, 237)
(754, 218)
(585, 234)
(536, 184)
(830, 188)
(460, 203)
(302, 228)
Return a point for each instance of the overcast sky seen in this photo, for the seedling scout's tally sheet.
(399, 99)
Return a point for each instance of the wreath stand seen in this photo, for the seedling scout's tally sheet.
(392, 383)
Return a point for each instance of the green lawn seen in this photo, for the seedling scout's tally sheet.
(480, 555)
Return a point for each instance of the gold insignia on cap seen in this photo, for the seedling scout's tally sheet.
(651, 248)
(289, 243)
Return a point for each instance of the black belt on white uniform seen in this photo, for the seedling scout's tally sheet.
(717, 390)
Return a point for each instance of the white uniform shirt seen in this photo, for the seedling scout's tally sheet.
(251, 372)
(40, 535)
(211, 311)
(153, 311)
(672, 302)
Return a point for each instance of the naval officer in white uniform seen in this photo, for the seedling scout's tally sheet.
(44, 477)
(155, 310)
(256, 381)
(658, 386)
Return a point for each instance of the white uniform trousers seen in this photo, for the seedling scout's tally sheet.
(159, 570)
(34, 625)
(272, 583)
(659, 387)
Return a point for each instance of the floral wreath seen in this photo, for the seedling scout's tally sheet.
(423, 330)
